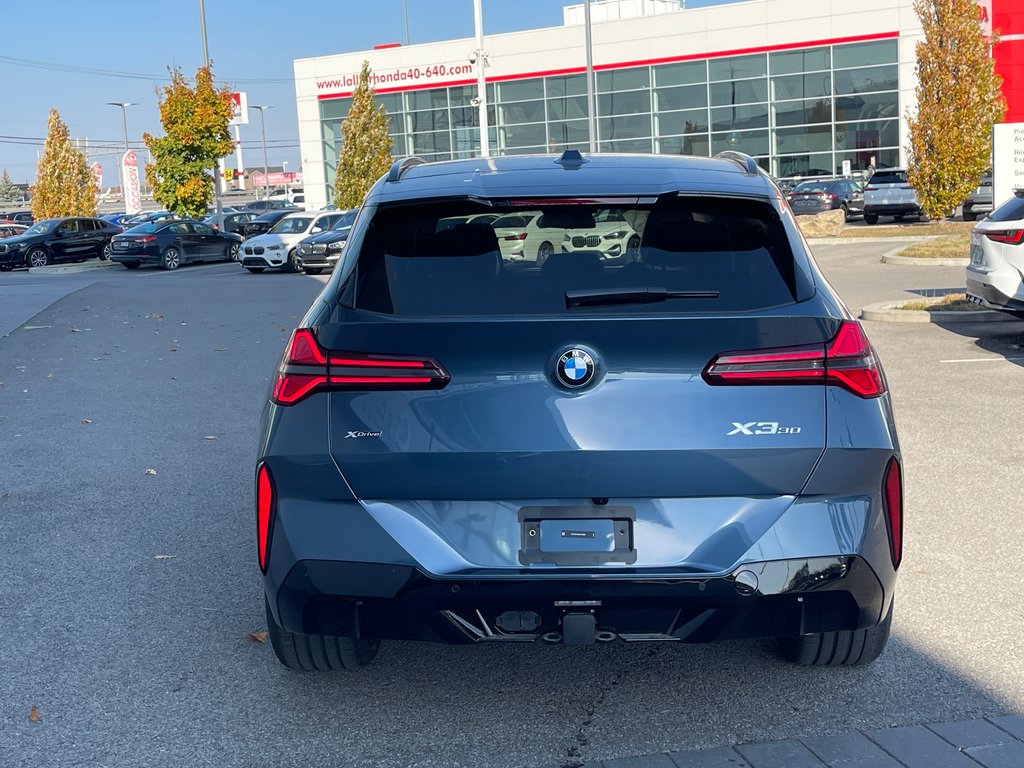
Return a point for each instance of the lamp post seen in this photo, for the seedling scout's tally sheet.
(124, 122)
(263, 136)
(589, 45)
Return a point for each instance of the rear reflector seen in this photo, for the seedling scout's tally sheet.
(306, 368)
(1011, 236)
(847, 361)
(264, 510)
(892, 494)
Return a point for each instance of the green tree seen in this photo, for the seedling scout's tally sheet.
(195, 119)
(958, 100)
(366, 146)
(8, 192)
(64, 184)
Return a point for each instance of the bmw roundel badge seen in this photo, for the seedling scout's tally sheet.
(575, 368)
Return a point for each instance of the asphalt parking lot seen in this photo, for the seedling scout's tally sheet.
(128, 596)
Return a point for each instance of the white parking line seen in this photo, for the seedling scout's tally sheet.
(985, 360)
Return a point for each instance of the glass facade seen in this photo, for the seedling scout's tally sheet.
(798, 112)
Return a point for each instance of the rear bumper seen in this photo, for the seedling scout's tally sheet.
(142, 257)
(893, 209)
(767, 599)
(982, 291)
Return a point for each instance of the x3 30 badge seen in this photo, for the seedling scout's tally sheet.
(762, 428)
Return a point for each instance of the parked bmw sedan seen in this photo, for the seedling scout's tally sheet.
(169, 244)
(55, 240)
(997, 258)
(827, 195)
(690, 443)
(324, 249)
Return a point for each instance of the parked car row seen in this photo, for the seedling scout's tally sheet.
(55, 240)
(820, 195)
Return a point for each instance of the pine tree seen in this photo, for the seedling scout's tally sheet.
(8, 192)
(196, 122)
(366, 146)
(958, 100)
(64, 184)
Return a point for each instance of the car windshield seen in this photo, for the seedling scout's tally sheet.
(272, 217)
(889, 177)
(682, 255)
(42, 227)
(289, 226)
(811, 186)
(145, 229)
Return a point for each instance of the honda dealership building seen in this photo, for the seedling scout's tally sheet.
(802, 87)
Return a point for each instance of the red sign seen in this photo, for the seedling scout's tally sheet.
(276, 179)
(130, 181)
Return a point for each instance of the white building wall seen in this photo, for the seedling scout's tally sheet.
(722, 30)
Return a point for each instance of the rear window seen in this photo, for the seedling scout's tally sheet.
(889, 177)
(414, 260)
(1011, 210)
(812, 186)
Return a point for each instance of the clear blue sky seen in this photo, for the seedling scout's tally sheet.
(252, 45)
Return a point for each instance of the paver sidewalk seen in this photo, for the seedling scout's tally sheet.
(994, 742)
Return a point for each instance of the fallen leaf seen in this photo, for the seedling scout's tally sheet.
(221, 349)
(76, 330)
(34, 714)
(24, 391)
(259, 637)
(149, 472)
(174, 377)
(49, 375)
(87, 421)
(210, 437)
(163, 557)
(5, 494)
(97, 359)
(921, 570)
(183, 322)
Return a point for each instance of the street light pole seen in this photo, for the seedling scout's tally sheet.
(481, 79)
(405, 15)
(263, 136)
(124, 122)
(218, 174)
(589, 42)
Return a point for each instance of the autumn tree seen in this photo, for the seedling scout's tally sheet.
(366, 146)
(195, 119)
(958, 100)
(8, 192)
(64, 184)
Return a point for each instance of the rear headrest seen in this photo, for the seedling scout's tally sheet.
(582, 269)
(667, 230)
(465, 240)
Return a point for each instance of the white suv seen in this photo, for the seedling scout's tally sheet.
(612, 236)
(888, 193)
(997, 258)
(276, 248)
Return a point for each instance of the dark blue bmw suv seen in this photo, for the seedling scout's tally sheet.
(689, 440)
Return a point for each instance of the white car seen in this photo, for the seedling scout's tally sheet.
(520, 237)
(276, 248)
(994, 276)
(611, 235)
(888, 193)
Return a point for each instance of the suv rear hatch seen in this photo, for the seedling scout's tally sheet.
(443, 357)
(889, 187)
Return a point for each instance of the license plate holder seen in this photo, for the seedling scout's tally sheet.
(584, 535)
(977, 250)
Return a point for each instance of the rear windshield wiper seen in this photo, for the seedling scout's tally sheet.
(608, 296)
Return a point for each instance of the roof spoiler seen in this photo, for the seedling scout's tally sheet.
(746, 162)
(401, 166)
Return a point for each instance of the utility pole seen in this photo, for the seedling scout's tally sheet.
(589, 43)
(481, 79)
(405, 15)
(218, 173)
(124, 122)
(263, 135)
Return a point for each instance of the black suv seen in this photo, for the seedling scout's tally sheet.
(53, 240)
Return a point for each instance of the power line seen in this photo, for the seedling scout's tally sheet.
(73, 69)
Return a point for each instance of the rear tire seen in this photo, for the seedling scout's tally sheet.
(318, 653)
(870, 218)
(845, 648)
(922, 216)
(543, 252)
(232, 252)
(172, 258)
(255, 270)
(846, 212)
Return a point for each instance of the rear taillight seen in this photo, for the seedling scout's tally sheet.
(264, 514)
(1011, 236)
(892, 497)
(146, 239)
(520, 236)
(306, 368)
(847, 361)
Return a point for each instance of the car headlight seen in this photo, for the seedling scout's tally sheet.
(335, 247)
(305, 248)
(275, 247)
(615, 235)
(567, 238)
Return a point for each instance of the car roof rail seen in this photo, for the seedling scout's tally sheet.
(746, 162)
(401, 166)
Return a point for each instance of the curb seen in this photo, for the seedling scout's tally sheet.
(886, 312)
(893, 257)
(70, 269)
(855, 240)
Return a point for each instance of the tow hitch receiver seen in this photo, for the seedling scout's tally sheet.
(579, 629)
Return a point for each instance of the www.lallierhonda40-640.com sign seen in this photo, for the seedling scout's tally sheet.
(130, 177)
